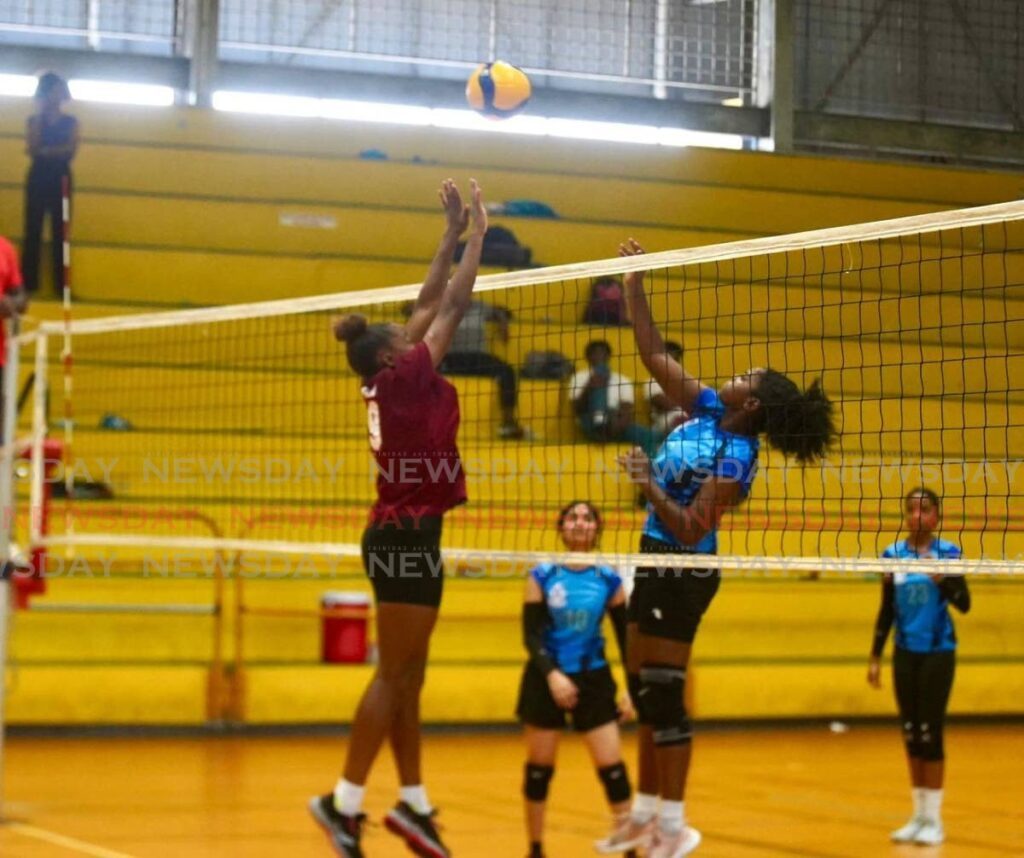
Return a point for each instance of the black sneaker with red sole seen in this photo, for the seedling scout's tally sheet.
(343, 831)
(417, 830)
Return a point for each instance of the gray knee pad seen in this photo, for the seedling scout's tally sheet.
(660, 703)
(929, 742)
(910, 740)
(536, 780)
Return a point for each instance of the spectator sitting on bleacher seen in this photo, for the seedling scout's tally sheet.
(607, 303)
(665, 415)
(603, 400)
(468, 356)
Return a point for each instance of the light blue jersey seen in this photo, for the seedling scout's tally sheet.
(694, 452)
(577, 601)
(922, 616)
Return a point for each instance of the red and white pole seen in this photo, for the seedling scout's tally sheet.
(66, 360)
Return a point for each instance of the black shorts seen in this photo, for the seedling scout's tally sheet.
(923, 681)
(595, 707)
(669, 603)
(402, 559)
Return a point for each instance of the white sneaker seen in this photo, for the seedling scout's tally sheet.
(675, 846)
(627, 834)
(930, 834)
(908, 832)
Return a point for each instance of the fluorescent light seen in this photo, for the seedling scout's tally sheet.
(614, 132)
(324, 108)
(708, 139)
(112, 92)
(94, 90)
(22, 85)
(467, 120)
(268, 104)
(372, 111)
(261, 102)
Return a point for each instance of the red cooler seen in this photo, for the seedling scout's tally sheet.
(345, 639)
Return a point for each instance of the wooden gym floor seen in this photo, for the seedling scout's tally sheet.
(754, 793)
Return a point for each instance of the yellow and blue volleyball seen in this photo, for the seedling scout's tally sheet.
(498, 89)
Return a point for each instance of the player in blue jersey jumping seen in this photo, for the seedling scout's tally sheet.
(568, 673)
(704, 467)
(924, 658)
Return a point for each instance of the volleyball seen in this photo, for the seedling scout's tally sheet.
(498, 90)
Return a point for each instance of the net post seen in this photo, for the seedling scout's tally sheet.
(10, 414)
(37, 464)
(66, 356)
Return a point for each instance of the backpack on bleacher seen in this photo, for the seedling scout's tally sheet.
(501, 249)
(546, 364)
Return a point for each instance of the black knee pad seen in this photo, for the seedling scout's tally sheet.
(615, 779)
(660, 703)
(536, 780)
(929, 742)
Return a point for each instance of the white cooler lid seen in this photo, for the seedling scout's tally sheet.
(344, 597)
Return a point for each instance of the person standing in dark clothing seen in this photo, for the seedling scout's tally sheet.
(51, 139)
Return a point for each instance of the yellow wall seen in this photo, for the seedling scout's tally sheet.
(767, 649)
(184, 206)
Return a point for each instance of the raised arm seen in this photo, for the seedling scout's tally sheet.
(428, 302)
(680, 387)
(458, 295)
(688, 524)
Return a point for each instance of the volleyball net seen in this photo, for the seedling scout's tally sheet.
(241, 432)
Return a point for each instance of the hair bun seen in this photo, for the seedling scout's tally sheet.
(350, 327)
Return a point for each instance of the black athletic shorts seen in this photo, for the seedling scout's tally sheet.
(923, 681)
(402, 559)
(595, 707)
(669, 603)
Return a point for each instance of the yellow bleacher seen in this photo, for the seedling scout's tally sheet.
(185, 207)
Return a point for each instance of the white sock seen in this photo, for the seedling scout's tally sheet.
(918, 793)
(645, 807)
(416, 798)
(348, 798)
(931, 805)
(672, 816)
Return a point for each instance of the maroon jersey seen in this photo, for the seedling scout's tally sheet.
(413, 418)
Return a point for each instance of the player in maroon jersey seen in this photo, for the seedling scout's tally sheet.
(413, 417)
